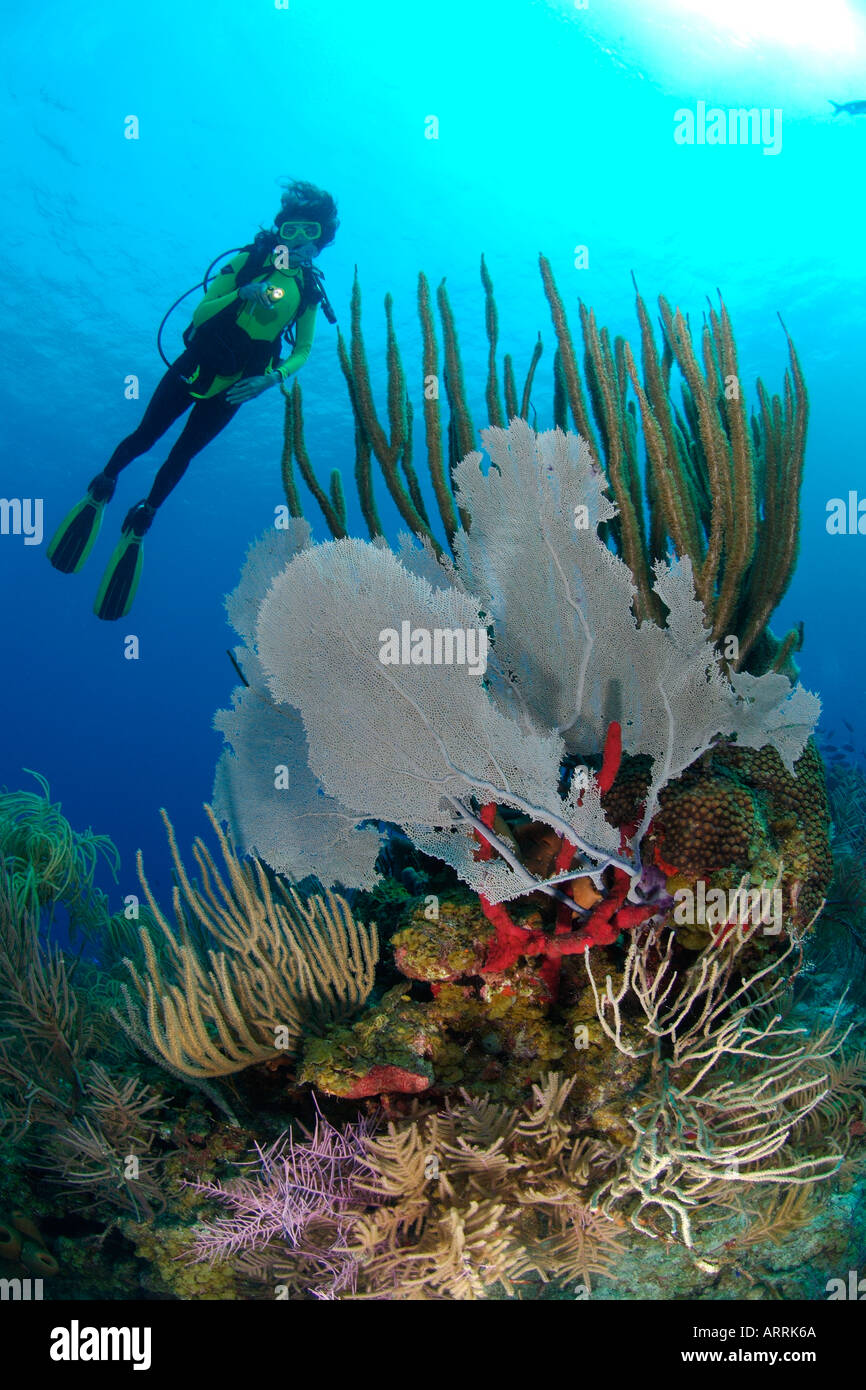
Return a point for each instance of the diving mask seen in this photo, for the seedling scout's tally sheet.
(295, 234)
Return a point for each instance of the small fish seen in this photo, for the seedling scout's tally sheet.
(847, 748)
(851, 108)
(849, 727)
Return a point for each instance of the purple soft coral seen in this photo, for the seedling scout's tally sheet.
(304, 1194)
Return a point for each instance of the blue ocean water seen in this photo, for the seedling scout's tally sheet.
(556, 130)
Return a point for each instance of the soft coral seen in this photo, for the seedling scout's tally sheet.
(605, 921)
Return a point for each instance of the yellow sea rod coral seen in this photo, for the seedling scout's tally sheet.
(272, 965)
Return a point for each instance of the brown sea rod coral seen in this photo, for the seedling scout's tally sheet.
(104, 1157)
(688, 465)
(92, 1133)
(46, 1029)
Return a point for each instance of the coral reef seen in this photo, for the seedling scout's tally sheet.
(686, 1093)
(564, 1062)
(428, 745)
(446, 1204)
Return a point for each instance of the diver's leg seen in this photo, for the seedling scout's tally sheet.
(208, 419)
(74, 538)
(117, 590)
(168, 402)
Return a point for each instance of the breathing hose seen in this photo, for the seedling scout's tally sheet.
(202, 288)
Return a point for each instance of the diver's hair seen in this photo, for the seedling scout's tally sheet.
(305, 202)
(302, 201)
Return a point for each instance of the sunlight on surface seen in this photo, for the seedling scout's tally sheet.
(824, 25)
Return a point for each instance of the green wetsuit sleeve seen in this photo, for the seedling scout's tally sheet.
(303, 342)
(220, 292)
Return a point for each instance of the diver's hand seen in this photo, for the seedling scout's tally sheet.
(257, 294)
(249, 388)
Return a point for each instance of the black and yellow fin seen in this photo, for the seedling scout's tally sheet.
(74, 538)
(120, 581)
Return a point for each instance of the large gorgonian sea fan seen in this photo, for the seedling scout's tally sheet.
(296, 830)
(424, 746)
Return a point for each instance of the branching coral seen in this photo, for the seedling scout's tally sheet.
(724, 488)
(719, 484)
(480, 1195)
(92, 1134)
(448, 1204)
(285, 964)
(45, 1030)
(291, 1218)
(731, 1084)
(103, 1158)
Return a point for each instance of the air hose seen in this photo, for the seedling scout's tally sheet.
(202, 288)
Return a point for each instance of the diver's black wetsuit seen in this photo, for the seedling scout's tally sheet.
(169, 401)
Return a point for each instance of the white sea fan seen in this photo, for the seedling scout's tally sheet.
(274, 806)
(424, 745)
(264, 790)
(265, 559)
(568, 645)
(398, 742)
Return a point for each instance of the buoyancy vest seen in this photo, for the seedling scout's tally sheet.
(221, 347)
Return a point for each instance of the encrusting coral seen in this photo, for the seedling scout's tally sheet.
(738, 809)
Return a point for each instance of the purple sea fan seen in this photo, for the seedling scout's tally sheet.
(297, 1207)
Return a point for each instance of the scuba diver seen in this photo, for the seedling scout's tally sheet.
(232, 354)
